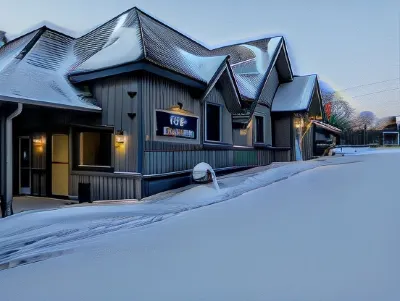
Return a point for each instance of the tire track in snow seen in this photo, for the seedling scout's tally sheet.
(16, 251)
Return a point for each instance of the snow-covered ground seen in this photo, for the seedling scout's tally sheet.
(348, 150)
(319, 230)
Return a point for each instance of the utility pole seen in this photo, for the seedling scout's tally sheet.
(365, 134)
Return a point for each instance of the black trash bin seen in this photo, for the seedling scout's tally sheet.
(84, 193)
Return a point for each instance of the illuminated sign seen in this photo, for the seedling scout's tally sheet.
(170, 124)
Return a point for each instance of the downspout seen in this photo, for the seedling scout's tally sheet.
(9, 160)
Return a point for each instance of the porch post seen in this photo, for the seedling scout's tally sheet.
(2, 161)
(7, 152)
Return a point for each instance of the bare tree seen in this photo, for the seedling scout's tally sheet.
(341, 112)
(365, 119)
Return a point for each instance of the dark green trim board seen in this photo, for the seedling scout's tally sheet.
(138, 66)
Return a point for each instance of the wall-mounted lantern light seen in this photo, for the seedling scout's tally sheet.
(298, 123)
(119, 138)
(38, 141)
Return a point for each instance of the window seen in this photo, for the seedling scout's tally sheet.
(259, 129)
(92, 148)
(213, 122)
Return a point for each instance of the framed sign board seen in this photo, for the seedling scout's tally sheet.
(171, 124)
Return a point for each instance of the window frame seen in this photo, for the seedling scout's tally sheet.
(220, 107)
(256, 130)
(75, 137)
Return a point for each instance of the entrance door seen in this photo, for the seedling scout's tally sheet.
(24, 165)
(59, 165)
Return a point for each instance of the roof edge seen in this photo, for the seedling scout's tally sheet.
(270, 67)
(42, 103)
(214, 79)
(142, 65)
(245, 41)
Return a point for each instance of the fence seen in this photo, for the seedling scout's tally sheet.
(361, 137)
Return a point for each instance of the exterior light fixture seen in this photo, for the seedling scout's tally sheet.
(298, 123)
(119, 138)
(38, 141)
(178, 107)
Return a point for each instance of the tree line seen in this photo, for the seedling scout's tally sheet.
(343, 116)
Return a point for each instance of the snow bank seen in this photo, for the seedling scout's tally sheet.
(282, 242)
(31, 237)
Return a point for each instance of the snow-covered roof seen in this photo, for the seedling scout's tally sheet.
(33, 70)
(135, 36)
(53, 57)
(296, 95)
(42, 24)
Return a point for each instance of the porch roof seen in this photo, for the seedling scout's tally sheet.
(295, 96)
(327, 127)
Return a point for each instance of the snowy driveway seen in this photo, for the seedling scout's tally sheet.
(329, 233)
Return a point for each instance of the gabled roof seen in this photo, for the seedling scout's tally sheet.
(135, 36)
(33, 71)
(133, 41)
(295, 96)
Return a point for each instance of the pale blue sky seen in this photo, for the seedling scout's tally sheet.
(348, 43)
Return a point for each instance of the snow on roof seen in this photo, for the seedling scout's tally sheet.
(47, 24)
(251, 73)
(131, 37)
(37, 74)
(296, 95)
(9, 51)
(122, 45)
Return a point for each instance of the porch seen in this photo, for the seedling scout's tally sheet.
(46, 152)
(29, 203)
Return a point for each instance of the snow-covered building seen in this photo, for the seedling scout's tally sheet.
(131, 106)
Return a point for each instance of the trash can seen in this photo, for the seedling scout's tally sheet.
(84, 193)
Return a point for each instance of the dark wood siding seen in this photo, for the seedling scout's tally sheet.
(107, 186)
(216, 97)
(112, 95)
(158, 162)
(269, 90)
(282, 131)
(160, 93)
(264, 111)
(243, 137)
(307, 144)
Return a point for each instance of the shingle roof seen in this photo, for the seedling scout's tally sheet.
(134, 37)
(296, 95)
(33, 70)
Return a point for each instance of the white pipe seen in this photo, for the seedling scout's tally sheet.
(9, 157)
